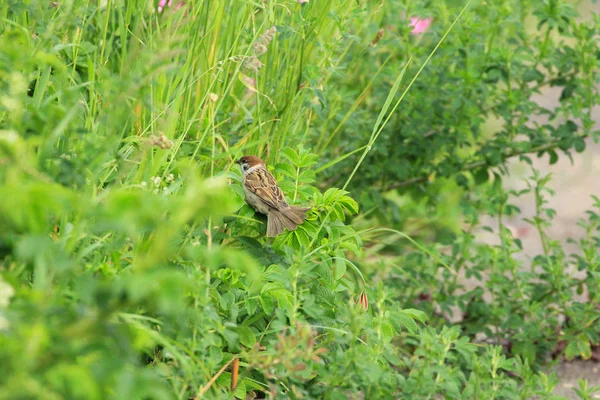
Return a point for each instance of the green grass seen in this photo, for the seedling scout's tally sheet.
(131, 267)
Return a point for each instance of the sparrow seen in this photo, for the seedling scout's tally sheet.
(265, 196)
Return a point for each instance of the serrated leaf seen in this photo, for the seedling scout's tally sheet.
(508, 365)
(387, 331)
(533, 74)
(247, 337)
(307, 176)
(270, 286)
(251, 306)
(267, 303)
(416, 314)
(291, 155)
(578, 347)
(308, 159)
(465, 349)
(287, 169)
(340, 268)
(349, 204)
(301, 237)
(402, 318)
(392, 358)
(227, 300)
(250, 242)
(224, 381)
(525, 350)
(246, 211)
(240, 390)
(284, 299)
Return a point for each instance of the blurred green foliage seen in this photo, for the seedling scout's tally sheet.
(131, 267)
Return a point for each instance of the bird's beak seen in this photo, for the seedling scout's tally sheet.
(239, 160)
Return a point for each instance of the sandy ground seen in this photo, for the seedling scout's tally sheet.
(574, 184)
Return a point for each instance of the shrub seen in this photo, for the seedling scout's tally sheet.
(131, 267)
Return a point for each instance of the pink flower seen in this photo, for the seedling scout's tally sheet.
(162, 4)
(419, 25)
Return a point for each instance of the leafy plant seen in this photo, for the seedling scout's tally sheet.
(132, 268)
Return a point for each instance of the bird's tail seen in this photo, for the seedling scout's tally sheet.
(289, 218)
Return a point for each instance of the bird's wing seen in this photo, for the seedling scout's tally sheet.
(262, 184)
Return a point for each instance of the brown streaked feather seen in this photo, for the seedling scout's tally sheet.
(275, 223)
(287, 222)
(263, 184)
(265, 196)
(288, 218)
(295, 214)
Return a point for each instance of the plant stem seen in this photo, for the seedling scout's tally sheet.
(480, 163)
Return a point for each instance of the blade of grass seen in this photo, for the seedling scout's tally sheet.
(416, 244)
(337, 160)
(377, 128)
(358, 101)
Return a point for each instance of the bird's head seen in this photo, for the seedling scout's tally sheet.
(247, 162)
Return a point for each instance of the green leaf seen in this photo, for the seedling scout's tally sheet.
(481, 176)
(509, 365)
(553, 157)
(251, 306)
(338, 160)
(267, 303)
(416, 314)
(215, 354)
(392, 358)
(578, 346)
(465, 349)
(579, 145)
(240, 390)
(247, 337)
(308, 159)
(404, 319)
(567, 92)
(224, 382)
(533, 74)
(526, 350)
(227, 300)
(340, 268)
(287, 169)
(284, 299)
(388, 101)
(291, 155)
(246, 211)
(387, 331)
(270, 286)
(462, 180)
